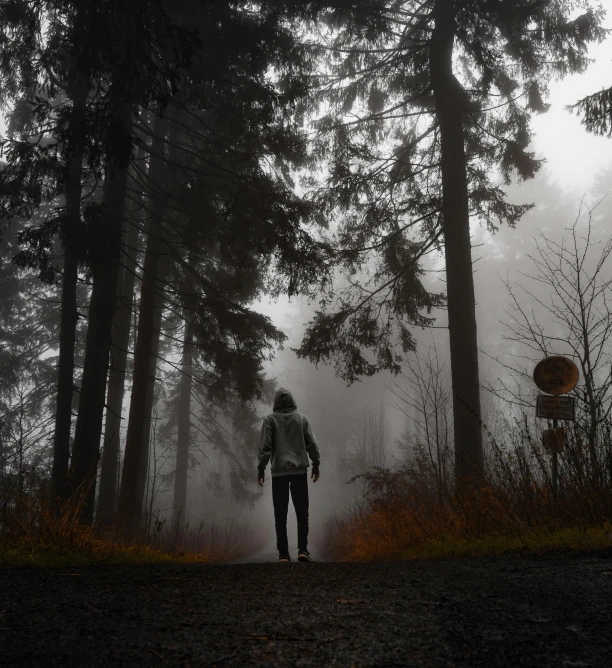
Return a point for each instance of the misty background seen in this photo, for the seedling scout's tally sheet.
(578, 171)
(373, 422)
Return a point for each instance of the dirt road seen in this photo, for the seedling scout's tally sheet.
(503, 611)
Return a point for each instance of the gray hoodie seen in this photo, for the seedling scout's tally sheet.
(286, 439)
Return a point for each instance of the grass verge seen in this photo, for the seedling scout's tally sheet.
(15, 555)
(35, 532)
(404, 517)
(535, 541)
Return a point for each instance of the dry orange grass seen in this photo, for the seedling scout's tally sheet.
(34, 531)
(406, 513)
(483, 523)
(398, 520)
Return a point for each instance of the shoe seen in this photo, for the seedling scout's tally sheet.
(304, 555)
(284, 558)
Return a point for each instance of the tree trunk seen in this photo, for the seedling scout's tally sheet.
(69, 314)
(133, 479)
(86, 449)
(469, 462)
(122, 320)
(20, 444)
(184, 428)
(155, 340)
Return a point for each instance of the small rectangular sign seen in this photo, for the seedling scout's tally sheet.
(555, 408)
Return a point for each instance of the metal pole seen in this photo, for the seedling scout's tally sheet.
(555, 470)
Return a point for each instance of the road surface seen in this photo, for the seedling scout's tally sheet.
(496, 611)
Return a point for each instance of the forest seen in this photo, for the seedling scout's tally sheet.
(204, 200)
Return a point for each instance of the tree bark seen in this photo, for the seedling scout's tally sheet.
(143, 476)
(450, 101)
(86, 450)
(179, 506)
(69, 313)
(135, 462)
(107, 495)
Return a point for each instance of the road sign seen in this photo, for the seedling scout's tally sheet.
(556, 375)
(554, 439)
(555, 408)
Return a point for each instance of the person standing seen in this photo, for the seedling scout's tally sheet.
(286, 441)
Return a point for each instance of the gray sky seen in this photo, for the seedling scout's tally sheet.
(573, 157)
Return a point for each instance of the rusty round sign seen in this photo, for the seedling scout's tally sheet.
(556, 375)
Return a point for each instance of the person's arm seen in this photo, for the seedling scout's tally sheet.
(266, 445)
(312, 449)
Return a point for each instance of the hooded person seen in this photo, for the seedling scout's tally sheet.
(286, 441)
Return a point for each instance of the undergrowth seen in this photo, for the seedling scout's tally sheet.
(414, 512)
(35, 532)
(367, 535)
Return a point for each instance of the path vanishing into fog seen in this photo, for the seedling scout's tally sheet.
(501, 611)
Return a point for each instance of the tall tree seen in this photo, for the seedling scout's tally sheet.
(112, 57)
(136, 458)
(105, 266)
(28, 330)
(230, 225)
(56, 67)
(142, 54)
(179, 506)
(70, 232)
(122, 320)
(428, 101)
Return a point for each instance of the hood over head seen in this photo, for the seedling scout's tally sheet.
(283, 400)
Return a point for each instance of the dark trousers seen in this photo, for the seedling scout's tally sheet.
(281, 485)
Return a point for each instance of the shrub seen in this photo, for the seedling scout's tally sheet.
(408, 512)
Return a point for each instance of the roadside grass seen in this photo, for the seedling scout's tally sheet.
(370, 538)
(18, 552)
(406, 516)
(22, 554)
(35, 532)
(536, 541)
(418, 510)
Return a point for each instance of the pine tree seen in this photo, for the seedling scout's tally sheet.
(179, 505)
(142, 55)
(145, 352)
(104, 59)
(121, 328)
(596, 112)
(43, 69)
(228, 226)
(428, 101)
(28, 329)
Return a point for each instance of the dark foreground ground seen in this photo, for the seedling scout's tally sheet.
(502, 611)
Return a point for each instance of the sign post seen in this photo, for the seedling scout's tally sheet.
(555, 375)
(555, 466)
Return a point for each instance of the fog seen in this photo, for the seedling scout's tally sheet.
(575, 178)
(578, 168)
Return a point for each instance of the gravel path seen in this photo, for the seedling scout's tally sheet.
(498, 611)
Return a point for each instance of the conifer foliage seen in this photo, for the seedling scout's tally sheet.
(426, 103)
(148, 190)
(167, 129)
(596, 112)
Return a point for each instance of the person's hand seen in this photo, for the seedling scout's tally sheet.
(260, 480)
(315, 475)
